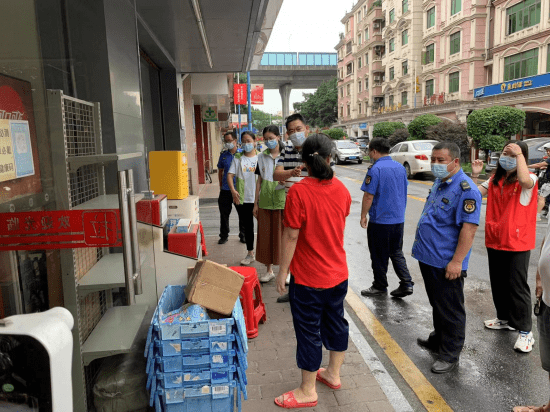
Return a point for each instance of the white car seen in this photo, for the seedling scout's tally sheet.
(414, 155)
(346, 150)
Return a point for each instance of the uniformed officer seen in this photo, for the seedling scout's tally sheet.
(385, 200)
(225, 199)
(442, 246)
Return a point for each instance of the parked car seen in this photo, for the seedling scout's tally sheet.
(346, 150)
(536, 153)
(414, 155)
(363, 142)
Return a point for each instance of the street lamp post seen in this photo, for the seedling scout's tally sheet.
(414, 76)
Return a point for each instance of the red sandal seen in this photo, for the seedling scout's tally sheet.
(292, 403)
(323, 380)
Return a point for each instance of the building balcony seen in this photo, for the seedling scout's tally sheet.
(377, 66)
(377, 89)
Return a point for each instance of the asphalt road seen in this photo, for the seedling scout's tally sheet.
(491, 376)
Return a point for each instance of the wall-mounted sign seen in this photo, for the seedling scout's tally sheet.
(210, 114)
(516, 85)
(235, 120)
(16, 158)
(257, 94)
(7, 160)
(60, 229)
(239, 93)
(362, 125)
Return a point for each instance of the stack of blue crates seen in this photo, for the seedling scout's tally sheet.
(195, 366)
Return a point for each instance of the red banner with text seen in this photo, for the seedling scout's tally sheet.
(257, 94)
(239, 93)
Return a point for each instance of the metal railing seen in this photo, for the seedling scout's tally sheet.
(299, 59)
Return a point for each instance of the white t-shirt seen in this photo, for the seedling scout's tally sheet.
(544, 267)
(526, 194)
(247, 172)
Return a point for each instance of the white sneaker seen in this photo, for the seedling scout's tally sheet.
(267, 277)
(497, 324)
(525, 342)
(248, 260)
(287, 280)
(538, 217)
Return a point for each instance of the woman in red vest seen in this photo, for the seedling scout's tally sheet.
(510, 235)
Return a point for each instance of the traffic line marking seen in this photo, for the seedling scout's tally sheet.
(417, 198)
(422, 182)
(426, 393)
(353, 168)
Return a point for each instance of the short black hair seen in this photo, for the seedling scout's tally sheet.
(271, 129)
(249, 133)
(380, 144)
(315, 151)
(453, 148)
(232, 134)
(294, 117)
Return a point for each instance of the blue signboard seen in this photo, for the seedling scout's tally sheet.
(363, 125)
(22, 149)
(517, 85)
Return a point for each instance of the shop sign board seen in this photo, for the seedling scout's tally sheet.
(516, 85)
(210, 114)
(60, 229)
(235, 120)
(362, 126)
(257, 94)
(239, 93)
(16, 159)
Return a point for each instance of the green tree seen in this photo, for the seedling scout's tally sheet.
(335, 134)
(446, 131)
(320, 108)
(492, 142)
(500, 121)
(386, 129)
(261, 119)
(417, 128)
(400, 135)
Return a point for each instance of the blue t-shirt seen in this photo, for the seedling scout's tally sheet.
(448, 206)
(387, 181)
(226, 158)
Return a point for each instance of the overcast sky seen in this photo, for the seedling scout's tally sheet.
(304, 26)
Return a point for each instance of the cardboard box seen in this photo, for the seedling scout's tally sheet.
(214, 286)
(186, 208)
(183, 226)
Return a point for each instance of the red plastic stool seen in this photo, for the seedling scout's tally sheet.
(251, 300)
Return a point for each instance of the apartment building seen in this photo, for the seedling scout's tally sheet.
(413, 57)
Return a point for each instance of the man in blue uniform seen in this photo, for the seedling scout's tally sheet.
(385, 200)
(442, 246)
(225, 200)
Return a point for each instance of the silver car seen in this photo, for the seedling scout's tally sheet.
(346, 150)
(414, 155)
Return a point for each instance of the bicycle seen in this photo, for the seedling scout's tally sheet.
(207, 176)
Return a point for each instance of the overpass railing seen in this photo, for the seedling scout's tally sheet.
(299, 59)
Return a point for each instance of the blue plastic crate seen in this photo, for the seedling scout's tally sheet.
(240, 324)
(218, 398)
(196, 377)
(199, 345)
(241, 354)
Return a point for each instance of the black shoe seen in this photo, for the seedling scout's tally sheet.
(372, 291)
(222, 241)
(440, 366)
(425, 343)
(402, 291)
(282, 299)
(242, 239)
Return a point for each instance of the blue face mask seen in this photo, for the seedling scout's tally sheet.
(229, 146)
(507, 162)
(298, 138)
(440, 170)
(248, 147)
(271, 144)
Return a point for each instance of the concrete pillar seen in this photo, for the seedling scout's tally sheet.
(284, 91)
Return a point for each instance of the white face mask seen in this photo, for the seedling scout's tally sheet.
(229, 146)
(298, 138)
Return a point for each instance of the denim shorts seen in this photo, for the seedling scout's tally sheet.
(543, 324)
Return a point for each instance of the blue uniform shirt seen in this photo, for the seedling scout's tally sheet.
(387, 181)
(226, 157)
(448, 206)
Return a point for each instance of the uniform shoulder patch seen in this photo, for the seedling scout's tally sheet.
(465, 185)
(370, 167)
(368, 179)
(469, 205)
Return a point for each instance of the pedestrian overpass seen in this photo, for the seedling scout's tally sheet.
(287, 71)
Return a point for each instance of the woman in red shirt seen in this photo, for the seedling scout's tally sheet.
(313, 250)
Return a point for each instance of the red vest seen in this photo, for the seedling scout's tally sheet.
(508, 224)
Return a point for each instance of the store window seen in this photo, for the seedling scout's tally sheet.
(392, 16)
(405, 6)
(405, 67)
(456, 6)
(392, 44)
(405, 37)
(429, 88)
(404, 100)
(523, 15)
(454, 82)
(429, 54)
(430, 17)
(521, 65)
(455, 43)
(392, 73)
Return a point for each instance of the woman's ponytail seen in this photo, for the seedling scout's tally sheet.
(315, 151)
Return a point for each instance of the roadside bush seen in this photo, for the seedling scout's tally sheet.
(417, 128)
(335, 134)
(386, 129)
(497, 121)
(451, 132)
(400, 135)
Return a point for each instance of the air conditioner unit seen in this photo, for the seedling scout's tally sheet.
(376, 25)
(376, 78)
